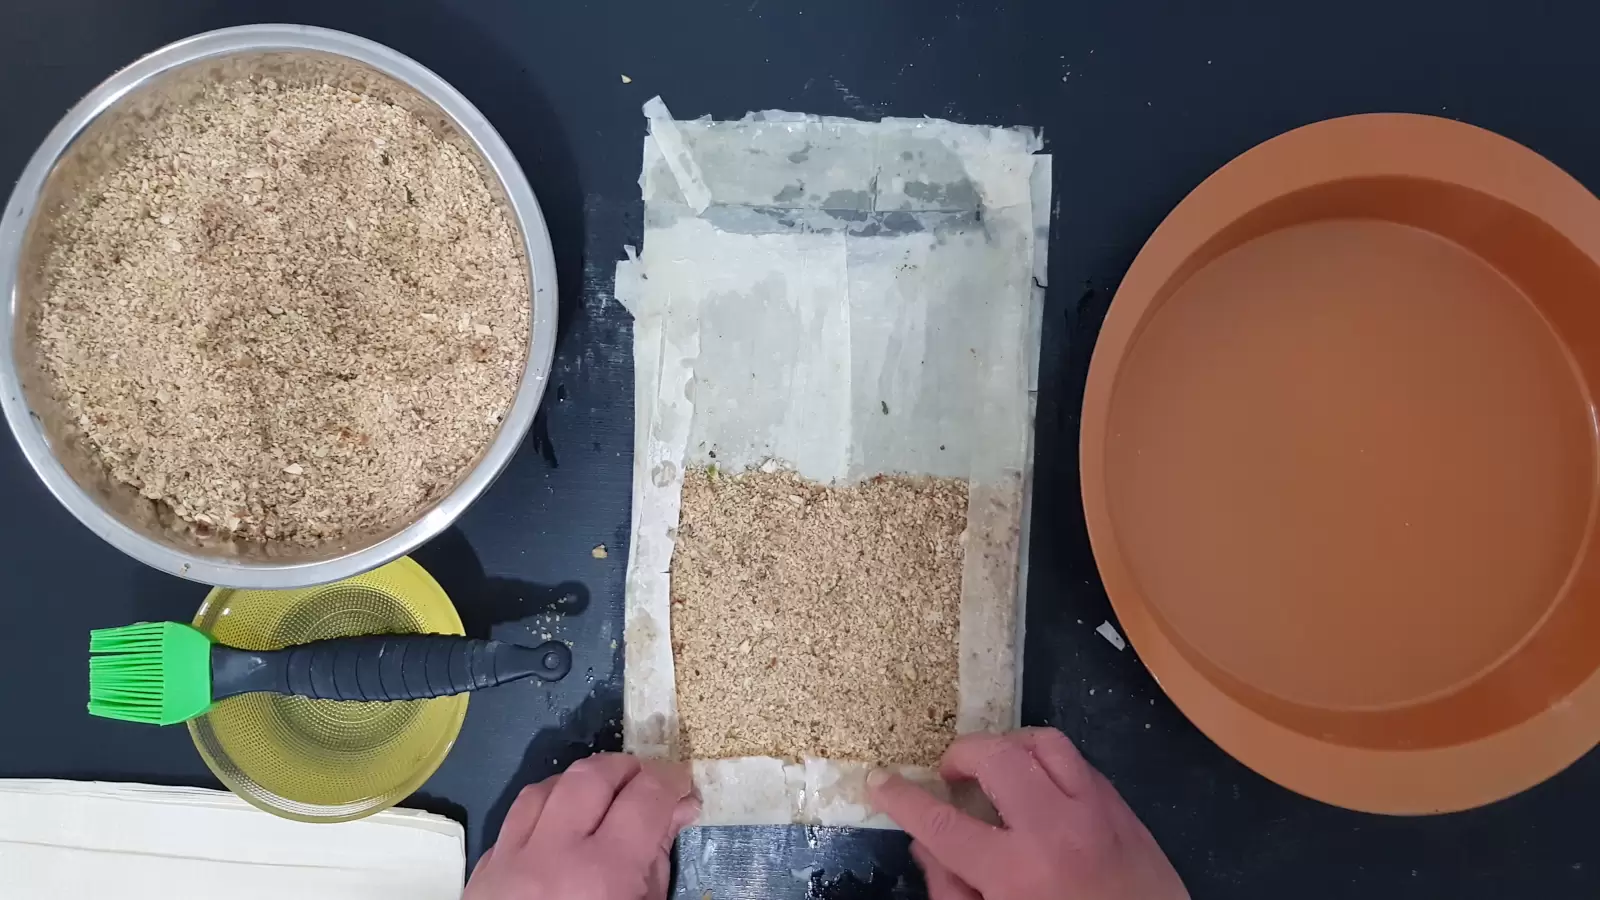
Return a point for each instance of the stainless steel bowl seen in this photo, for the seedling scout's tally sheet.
(87, 142)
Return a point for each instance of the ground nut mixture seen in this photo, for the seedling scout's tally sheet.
(817, 621)
(292, 314)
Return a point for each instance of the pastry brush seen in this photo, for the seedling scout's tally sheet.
(162, 673)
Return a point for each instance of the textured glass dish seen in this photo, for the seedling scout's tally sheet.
(327, 760)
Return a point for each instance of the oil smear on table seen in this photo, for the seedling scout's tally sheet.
(843, 300)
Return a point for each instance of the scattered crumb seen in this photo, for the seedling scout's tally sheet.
(823, 627)
(599, 551)
(286, 281)
(1109, 632)
(627, 80)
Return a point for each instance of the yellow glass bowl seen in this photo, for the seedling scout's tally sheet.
(327, 760)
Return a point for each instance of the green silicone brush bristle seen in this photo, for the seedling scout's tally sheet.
(158, 673)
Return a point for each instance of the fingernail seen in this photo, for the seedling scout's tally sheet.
(877, 777)
(685, 813)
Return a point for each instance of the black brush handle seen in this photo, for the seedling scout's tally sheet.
(383, 667)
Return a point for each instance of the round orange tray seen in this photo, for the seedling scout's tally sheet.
(1339, 462)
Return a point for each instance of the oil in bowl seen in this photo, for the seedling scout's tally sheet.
(327, 760)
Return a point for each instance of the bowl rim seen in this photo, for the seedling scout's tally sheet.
(1389, 781)
(472, 125)
(245, 786)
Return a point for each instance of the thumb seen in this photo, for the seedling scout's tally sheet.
(683, 815)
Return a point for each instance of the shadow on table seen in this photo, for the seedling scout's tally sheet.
(159, 597)
(554, 749)
(494, 606)
(521, 612)
(439, 806)
(489, 606)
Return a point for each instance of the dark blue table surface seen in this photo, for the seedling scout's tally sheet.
(1138, 101)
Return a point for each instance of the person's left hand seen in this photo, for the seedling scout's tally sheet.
(601, 830)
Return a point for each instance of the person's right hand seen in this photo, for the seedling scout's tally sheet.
(1067, 833)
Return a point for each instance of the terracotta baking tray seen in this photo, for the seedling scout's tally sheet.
(1339, 462)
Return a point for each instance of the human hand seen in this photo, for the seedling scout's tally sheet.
(601, 830)
(1067, 832)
